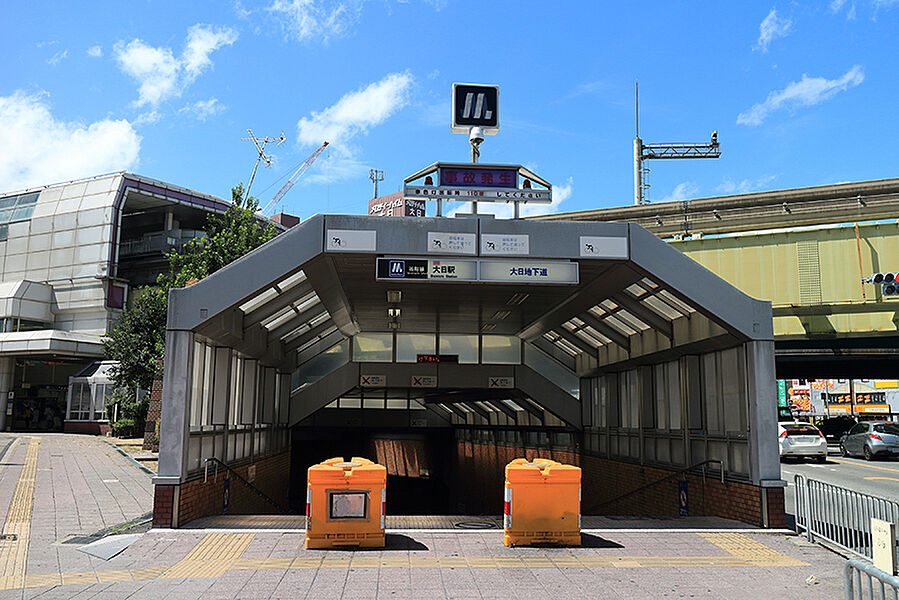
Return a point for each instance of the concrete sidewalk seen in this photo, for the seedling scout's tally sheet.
(54, 487)
(623, 564)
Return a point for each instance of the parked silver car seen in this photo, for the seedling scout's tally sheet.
(870, 439)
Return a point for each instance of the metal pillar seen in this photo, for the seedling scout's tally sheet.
(638, 171)
(6, 365)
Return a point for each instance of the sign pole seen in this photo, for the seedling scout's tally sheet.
(475, 137)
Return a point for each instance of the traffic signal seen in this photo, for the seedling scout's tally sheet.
(888, 281)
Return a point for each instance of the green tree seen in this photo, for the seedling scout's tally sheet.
(228, 237)
(138, 340)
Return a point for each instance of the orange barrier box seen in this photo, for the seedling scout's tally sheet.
(542, 503)
(345, 504)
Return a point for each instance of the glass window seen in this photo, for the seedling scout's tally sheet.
(397, 403)
(373, 347)
(8, 202)
(26, 325)
(372, 400)
(410, 345)
(466, 346)
(890, 428)
(350, 403)
(81, 402)
(23, 212)
(4, 232)
(100, 399)
(5, 216)
(500, 350)
(417, 404)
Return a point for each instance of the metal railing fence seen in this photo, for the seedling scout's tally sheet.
(861, 579)
(839, 515)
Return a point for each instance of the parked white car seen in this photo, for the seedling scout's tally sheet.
(802, 440)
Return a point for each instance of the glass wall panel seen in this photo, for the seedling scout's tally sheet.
(552, 370)
(733, 387)
(673, 393)
(373, 347)
(317, 367)
(410, 345)
(500, 350)
(196, 388)
(466, 346)
(714, 422)
(660, 390)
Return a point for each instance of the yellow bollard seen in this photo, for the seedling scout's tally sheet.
(542, 503)
(345, 504)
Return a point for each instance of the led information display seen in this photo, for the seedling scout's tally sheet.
(455, 176)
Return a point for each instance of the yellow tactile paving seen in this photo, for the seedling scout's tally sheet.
(214, 555)
(217, 553)
(747, 549)
(13, 553)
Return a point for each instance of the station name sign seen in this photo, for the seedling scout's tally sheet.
(486, 271)
(481, 194)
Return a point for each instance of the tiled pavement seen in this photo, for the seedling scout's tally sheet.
(70, 496)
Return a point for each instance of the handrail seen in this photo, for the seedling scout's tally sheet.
(667, 477)
(244, 481)
(852, 586)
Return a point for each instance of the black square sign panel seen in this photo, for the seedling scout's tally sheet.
(476, 106)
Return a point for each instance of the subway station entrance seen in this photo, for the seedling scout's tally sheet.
(444, 348)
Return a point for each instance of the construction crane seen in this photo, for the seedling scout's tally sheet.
(293, 178)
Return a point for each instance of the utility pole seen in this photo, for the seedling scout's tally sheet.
(669, 151)
(261, 155)
(375, 177)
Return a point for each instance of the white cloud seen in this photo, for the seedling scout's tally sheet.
(590, 88)
(203, 109)
(95, 51)
(162, 76)
(321, 19)
(56, 58)
(682, 191)
(202, 40)
(728, 186)
(36, 148)
(155, 69)
(806, 92)
(837, 6)
(354, 114)
(772, 27)
(504, 210)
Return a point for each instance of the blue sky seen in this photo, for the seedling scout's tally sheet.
(802, 94)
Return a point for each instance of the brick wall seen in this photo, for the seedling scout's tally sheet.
(481, 467)
(163, 496)
(198, 499)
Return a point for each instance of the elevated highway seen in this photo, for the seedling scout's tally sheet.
(805, 250)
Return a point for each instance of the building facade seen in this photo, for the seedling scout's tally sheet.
(70, 256)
